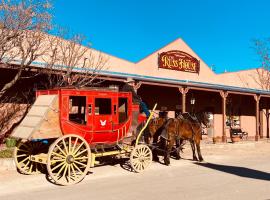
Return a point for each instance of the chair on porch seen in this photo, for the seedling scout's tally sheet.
(238, 132)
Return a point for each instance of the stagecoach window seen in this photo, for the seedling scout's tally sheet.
(77, 108)
(103, 106)
(122, 109)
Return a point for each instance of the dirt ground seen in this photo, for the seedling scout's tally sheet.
(230, 171)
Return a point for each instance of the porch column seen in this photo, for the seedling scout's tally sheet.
(224, 95)
(261, 123)
(183, 91)
(257, 101)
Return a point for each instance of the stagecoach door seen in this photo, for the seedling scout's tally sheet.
(103, 115)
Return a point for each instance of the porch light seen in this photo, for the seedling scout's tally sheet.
(192, 101)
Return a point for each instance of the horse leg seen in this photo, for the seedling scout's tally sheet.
(168, 152)
(193, 150)
(198, 147)
(146, 135)
(165, 148)
(155, 155)
(178, 149)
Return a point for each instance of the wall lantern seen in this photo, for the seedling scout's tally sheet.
(192, 101)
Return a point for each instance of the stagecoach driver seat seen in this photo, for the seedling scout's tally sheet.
(136, 99)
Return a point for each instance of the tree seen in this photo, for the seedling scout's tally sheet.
(262, 76)
(24, 40)
(69, 63)
(23, 24)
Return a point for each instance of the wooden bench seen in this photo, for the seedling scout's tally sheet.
(238, 132)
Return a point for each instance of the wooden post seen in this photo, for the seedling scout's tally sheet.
(257, 101)
(183, 91)
(261, 123)
(224, 95)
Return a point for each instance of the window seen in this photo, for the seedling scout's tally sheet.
(122, 109)
(77, 105)
(103, 106)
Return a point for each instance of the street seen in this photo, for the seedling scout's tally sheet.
(227, 173)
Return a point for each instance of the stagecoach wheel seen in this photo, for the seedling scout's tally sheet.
(140, 158)
(22, 153)
(69, 160)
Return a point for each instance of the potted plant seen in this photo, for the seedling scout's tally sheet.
(235, 138)
(217, 139)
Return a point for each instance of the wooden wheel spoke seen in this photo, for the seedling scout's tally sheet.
(79, 163)
(77, 149)
(145, 151)
(69, 145)
(73, 171)
(22, 155)
(65, 171)
(80, 153)
(62, 168)
(27, 146)
(65, 146)
(57, 154)
(26, 151)
(140, 151)
(61, 150)
(26, 165)
(78, 168)
(31, 167)
(69, 174)
(56, 161)
(57, 166)
(136, 154)
(74, 145)
(81, 158)
(27, 158)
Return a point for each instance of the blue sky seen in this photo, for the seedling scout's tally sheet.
(219, 31)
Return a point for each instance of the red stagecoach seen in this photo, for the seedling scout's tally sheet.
(67, 130)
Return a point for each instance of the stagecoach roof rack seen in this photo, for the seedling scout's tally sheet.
(110, 88)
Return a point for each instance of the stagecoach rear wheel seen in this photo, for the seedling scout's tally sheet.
(22, 153)
(140, 158)
(69, 160)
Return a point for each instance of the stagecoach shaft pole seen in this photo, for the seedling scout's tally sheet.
(146, 124)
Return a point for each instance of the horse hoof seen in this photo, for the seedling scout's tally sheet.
(178, 158)
(201, 160)
(195, 159)
(167, 162)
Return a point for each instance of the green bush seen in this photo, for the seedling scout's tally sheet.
(11, 142)
(6, 153)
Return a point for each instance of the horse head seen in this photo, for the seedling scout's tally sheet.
(203, 117)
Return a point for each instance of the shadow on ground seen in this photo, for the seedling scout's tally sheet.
(238, 171)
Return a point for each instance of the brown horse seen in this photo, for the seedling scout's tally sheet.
(179, 129)
(154, 125)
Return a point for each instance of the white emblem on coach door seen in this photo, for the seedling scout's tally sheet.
(103, 123)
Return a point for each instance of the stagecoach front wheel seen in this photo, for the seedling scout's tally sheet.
(22, 154)
(140, 158)
(69, 160)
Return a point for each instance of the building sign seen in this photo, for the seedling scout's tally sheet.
(178, 60)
